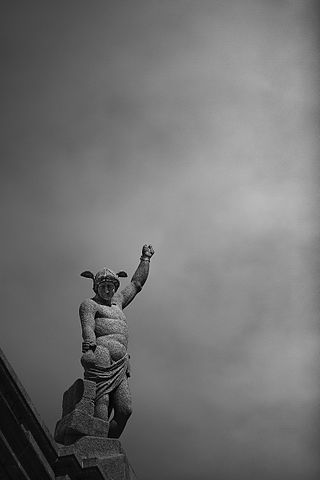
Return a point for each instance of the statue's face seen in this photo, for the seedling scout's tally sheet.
(106, 290)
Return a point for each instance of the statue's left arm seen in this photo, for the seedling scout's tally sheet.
(139, 277)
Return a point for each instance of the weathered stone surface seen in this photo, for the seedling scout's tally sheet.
(93, 447)
(102, 319)
(80, 396)
(115, 467)
(83, 431)
(105, 453)
(77, 424)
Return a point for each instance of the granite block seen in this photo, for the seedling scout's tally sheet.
(115, 467)
(80, 396)
(77, 424)
(92, 447)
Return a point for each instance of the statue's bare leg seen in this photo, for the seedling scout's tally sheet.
(121, 402)
(101, 408)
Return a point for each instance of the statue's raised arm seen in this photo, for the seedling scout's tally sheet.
(139, 277)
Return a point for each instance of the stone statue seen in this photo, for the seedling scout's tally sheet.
(105, 340)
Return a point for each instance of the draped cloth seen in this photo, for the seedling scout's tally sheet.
(108, 378)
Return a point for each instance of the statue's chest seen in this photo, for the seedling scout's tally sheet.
(112, 313)
(110, 320)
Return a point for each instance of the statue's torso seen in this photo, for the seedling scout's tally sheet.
(111, 331)
(111, 325)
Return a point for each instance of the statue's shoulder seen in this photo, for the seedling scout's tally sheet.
(88, 304)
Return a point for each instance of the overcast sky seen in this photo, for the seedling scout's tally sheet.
(190, 125)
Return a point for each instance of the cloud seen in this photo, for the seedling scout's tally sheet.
(191, 128)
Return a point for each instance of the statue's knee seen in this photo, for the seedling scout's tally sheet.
(126, 412)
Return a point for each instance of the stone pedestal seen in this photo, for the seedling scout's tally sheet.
(105, 453)
(77, 414)
(81, 434)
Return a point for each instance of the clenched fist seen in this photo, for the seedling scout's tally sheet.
(147, 252)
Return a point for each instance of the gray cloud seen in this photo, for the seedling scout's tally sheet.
(191, 127)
